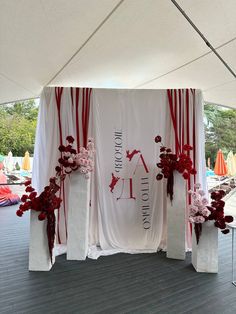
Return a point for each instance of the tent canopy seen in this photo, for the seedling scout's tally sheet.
(113, 43)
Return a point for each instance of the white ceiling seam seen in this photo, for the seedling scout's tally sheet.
(86, 41)
(186, 64)
(203, 37)
(16, 83)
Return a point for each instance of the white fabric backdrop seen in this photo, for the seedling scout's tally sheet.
(117, 225)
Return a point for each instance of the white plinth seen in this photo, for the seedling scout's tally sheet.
(39, 259)
(176, 220)
(78, 217)
(205, 253)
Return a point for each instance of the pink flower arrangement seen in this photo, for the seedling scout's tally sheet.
(200, 211)
(71, 160)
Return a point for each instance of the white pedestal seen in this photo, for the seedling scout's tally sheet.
(176, 220)
(39, 259)
(205, 253)
(78, 217)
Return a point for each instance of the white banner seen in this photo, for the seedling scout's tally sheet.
(129, 200)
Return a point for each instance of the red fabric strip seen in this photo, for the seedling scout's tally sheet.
(58, 94)
(72, 97)
(180, 116)
(194, 134)
(169, 93)
(175, 114)
(77, 117)
(83, 117)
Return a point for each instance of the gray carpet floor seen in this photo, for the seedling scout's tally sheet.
(122, 283)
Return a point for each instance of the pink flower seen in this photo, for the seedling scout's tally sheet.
(201, 192)
(204, 201)
(194, 195)
(205, 212)
(197, 202)
(70, 160)
(193, 209)
(191, 219)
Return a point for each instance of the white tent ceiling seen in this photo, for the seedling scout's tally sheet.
(113, 43)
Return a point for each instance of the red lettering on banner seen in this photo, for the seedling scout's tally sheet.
(143, 164)
(131, 155)
(114, 181)
(130, 185)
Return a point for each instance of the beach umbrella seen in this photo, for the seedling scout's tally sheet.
(220, 165)
(9, 162)
(231, 164)
(26, 162)
(209, 162)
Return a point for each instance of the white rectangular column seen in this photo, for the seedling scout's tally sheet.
(205, 253)
(78, 217)
(176, 219)
(39, 259)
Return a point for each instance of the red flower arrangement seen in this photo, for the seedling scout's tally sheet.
(47, 202)
(217, 211)
(199, 211)
(170, 162)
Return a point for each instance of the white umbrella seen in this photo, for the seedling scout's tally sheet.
(231, 164)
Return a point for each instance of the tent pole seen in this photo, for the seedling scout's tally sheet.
(204, 38)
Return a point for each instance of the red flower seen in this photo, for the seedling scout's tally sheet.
(159, 176)
(168, 150)
(24, 198)
(70, 139)
(158, 139)
(187, 147)
(42, 216)
(19, 212)
(225, 231)
(193, 171)
(61, 148)
(73, 151)
(162, 149)
(228, 219)
(32, 195)
(29, 189)
(58, 169)
(185, 175)
(26, 183)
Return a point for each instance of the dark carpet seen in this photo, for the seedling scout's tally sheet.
(122, 283)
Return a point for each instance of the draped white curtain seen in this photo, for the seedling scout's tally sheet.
(136, 117)
(48, 140)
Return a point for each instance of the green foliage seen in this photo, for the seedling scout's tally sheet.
(220, 131)
(17, 127)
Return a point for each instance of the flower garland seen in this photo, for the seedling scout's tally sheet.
(170, 162)
(199, 211)
(47, 202)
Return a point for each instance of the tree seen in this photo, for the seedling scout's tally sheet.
(17, 127)
(220, 130)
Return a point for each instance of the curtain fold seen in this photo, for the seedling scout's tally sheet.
(62, 112)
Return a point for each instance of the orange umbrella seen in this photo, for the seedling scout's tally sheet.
(220, 165)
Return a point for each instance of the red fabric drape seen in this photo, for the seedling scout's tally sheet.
(182, 112)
